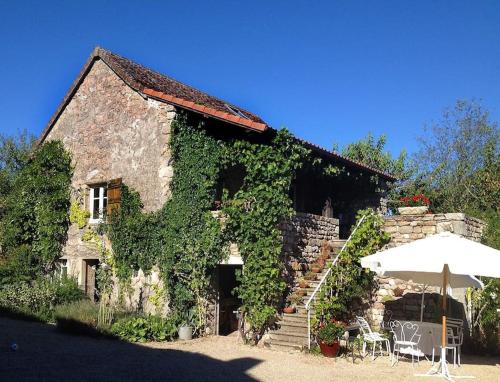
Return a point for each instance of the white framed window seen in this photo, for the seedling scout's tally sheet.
(62, 268)
(98, 202)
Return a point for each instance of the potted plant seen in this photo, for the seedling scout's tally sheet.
(301, 292)
(315, 267)
(325, 250)
(414, 205)
(310, 276)
(328, 338)
(186, 328)
(292, 301)
(303, 283)
(321, 262)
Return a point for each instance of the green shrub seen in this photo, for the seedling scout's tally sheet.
(37, 299)
(145, 328)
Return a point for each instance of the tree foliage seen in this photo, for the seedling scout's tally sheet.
(459, 160)
(14, 154)
(36, 212)
(373, 153)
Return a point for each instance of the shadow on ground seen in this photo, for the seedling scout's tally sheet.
(44, 354)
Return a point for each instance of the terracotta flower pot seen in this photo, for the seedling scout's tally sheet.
(316, 269)
(329, 350)
(289, 310)
(301, 292)
(324, 256)
(321, 262)
(303, 284)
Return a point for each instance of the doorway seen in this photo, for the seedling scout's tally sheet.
(228, 303)
(90, 268)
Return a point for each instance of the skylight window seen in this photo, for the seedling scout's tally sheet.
(235, 111)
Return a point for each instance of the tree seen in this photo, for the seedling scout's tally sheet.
(35, 215)
(458, 160)
(371, 152)
(14, 154)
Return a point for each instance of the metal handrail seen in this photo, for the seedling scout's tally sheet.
(322, 281)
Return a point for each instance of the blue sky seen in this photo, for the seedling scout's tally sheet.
(330, 71)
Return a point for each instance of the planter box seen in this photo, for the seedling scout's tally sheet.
(418, 210)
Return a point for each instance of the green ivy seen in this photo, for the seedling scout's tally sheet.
(135, 236)
(192, 238)
(348, 281)
(36, 219)
(253, 217)
(78, 215)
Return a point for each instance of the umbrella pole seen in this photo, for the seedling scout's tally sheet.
(442, 370)
(422, 304)
(442, 361)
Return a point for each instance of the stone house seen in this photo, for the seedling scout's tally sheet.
(115, 120)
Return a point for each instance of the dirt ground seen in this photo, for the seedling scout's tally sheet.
(44, 354)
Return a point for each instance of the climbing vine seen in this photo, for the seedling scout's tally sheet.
(182, 238)
(192, 238)
(253, 217)
(348, 281)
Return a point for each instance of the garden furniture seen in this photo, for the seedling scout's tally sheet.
(371, 337)
(406, 341)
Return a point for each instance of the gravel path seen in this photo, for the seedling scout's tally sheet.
(47, 355)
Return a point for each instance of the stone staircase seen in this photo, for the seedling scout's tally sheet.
(291, 334)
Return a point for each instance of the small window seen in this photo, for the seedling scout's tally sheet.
(62, 268)
(98, 203)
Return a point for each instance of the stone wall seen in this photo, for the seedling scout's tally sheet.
(402, 298)
(144, 292)
(303, 235)
(406, 228)
(113, 132)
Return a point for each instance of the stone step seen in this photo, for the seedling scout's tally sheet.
(290, 337)
(295, 317)
(337, 243)
(284, 346)
(287, 328)
(293, 324)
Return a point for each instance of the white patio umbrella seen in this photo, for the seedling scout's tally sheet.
(442, 259)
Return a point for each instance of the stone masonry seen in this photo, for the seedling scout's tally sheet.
(113, 132)
(304, 233)
(303, 236)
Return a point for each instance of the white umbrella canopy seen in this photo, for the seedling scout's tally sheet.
(433, 279)
(423, 260)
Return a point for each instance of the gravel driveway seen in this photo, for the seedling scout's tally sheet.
(47, 355)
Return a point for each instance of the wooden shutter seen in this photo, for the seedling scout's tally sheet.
(114, 195)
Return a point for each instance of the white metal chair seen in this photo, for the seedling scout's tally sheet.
(372, 338)
(406, 341)
(455, 338)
